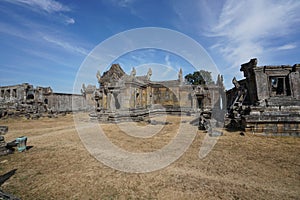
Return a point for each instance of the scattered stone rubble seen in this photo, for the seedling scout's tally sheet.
(3, 145)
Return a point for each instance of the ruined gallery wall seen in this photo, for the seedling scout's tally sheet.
(89, 100)
(166, 95)
(17, 92)
(79, 103)
(186, 97)
(59, 102)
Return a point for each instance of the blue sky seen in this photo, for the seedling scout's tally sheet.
(44, 42)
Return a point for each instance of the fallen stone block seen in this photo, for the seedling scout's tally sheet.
(3, 130)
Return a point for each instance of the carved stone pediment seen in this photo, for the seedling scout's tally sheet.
(115, 73)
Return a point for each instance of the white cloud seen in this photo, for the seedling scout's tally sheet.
(49, 7)
(70, 20)
(41, 53)
(125, 3)
(122, 3)
(286, 47)
(13, 31)
(66, 45)
(236, 31)
(245, 29)
(167, 60)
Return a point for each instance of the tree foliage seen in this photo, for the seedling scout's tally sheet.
(201, 77)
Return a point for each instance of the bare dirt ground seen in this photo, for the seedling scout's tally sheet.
(59, 167)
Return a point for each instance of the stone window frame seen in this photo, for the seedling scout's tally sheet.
(279, 86)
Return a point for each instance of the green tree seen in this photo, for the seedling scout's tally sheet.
(201, 77)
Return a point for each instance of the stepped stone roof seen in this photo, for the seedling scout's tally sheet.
(115, 73)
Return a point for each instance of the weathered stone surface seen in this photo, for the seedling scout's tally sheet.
(122, 97)
(272, 99)
(25, 100)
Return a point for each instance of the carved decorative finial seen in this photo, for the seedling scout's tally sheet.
(149, 73)
(220, 79)
(133, 72)
(180, 77)
(98, 75)
(83, 89)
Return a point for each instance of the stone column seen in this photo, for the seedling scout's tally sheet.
(134, 98)
(112, 102)
(104, 101)
(139, 101)
(149, 96)
(194, 101)
(10, 94)
(24, 94)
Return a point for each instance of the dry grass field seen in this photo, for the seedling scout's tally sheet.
(59, 167)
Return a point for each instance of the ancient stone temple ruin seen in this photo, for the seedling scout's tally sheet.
(25, 99)
(267, 100)
(123, 97)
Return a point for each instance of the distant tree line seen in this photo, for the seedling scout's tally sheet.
(201, 77)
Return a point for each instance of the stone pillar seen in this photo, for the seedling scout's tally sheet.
(295, 84)
(24, 95)
(112, 103)
(134, 97)
(149, 96)
(101, 100)
(108, 98)
(6, 94)
(140, 94)
(249, 74)
(145, 96)
(104, 101)
(194, 101)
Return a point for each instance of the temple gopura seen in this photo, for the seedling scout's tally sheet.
(123, 97)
